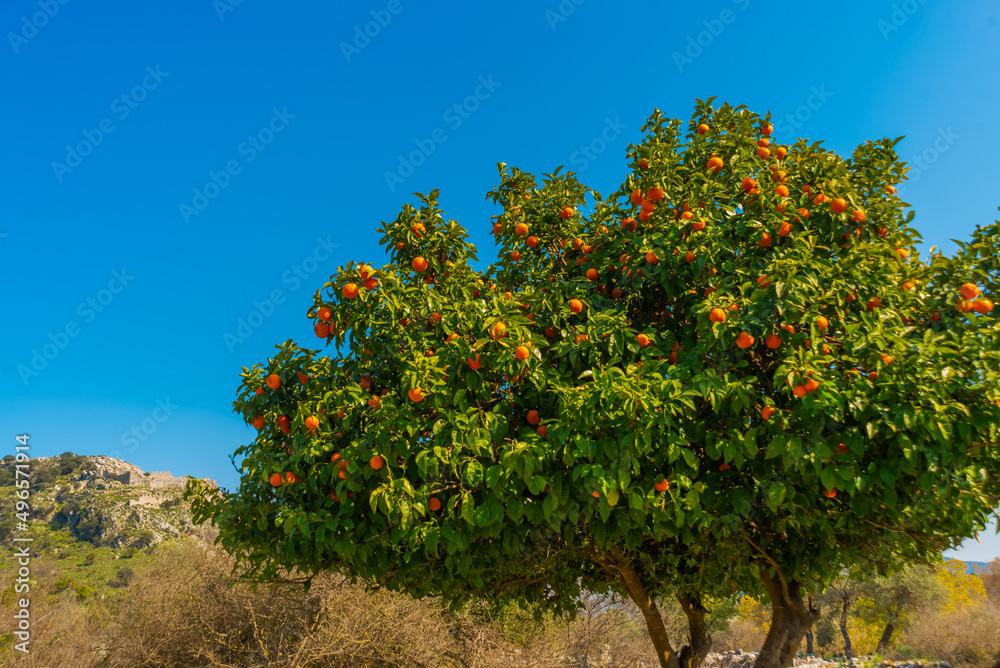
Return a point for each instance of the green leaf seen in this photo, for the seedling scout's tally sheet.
(776, 493)
(828, 477)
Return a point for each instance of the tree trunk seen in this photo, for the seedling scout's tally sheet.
(843, 627)
(700, 645)
(657, 632)
(790, 620)
(883, 642)
(809, 642)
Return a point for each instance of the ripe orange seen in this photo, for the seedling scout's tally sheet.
(434, 504)
(532, 242)
(765, 240)
(644, 163)
(969, 291)
(935, 316)
(474, 364)
(820, 199)
(351, 290)
(642, 340)
(784, 229)
(767, 412)
(789, 328)
(312, 422)
(838, 205)
(983, 306)
(629, 223)
(715, 164)
(651, 258)
(689, 257)
(284, 423)
(258, 422)
(800, 391)
(533, 418)
(498, 330)
(906, 285)
(419, 265)
(542, 430)
(567, 212)
(812, 385)
(822, 322)
(416, 395)
(655, 193)
(748, 184)
(717, 315)
(592, 274)
(698, 225)
(260, 391)
(763, 152)
(874, 303)
(830, 493)
(324, 314)
(376, 462)
(521, 229)
(781, 152)
(595, 494)
(575, 305)
(763, 282)
(902, 254)
(635, 197)
(767, 130)
(781, 191)
(276, 479)
(496, 228)
(724, 467)
(773, 341)
(858, 216)
(701, 129)
(661, 486)
(764, 142)
(522, 353)
(321, 329)
(580, 337)
(872, 376)
(273, 381)
(418, 230)
(744, 340)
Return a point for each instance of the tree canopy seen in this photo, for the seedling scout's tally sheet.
(732, 373)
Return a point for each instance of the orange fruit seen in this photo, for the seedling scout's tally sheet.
(773, 341)
(258, 422)
(717, 315)
(521, 229)
(689, 257)
(575, 305)
(284, 423)
(764, 142)
(580, 337)
(781, 152)
(765, 240)
(321, 329)
(838, 205)
(800, 391)
(273, 381)
(324, 314)
(312, 422)
(812, 385)
(697, 226)
(902, 254)
(592, 274)
(376, 462)
(822, 322)
(701, 129)
(522, 353)
(532, 242)
(906, 285)
(748, 184)
(969, 291)
(416, 395)
(629, 223)
(567, 212)
(886, 359)
(763, 152)
(644, 163)
(260, 391)
(724, 467)
(744, 340)
(715, 164)
(820, 199)
(662, 486)
(276, 479)
(418, 230)
(351, 290)
(983, 306)
(651, 258)
(830, 493)
(872, 376)
(858, 216)
(542, 430)
(874, 303)
(474, 364)
(763, 282)
(434, 504)
(781, 191)
(595, 494)
(655, 193)
(767, 130)
(767, 412)
(496, 228)
(419, 265)
(784, 229)
(642, 340)
(635, 197)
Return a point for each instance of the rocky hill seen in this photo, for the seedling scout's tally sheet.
(104, 501)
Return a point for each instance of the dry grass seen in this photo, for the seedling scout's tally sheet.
(967, 637)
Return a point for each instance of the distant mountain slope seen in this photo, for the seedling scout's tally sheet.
(104, 501)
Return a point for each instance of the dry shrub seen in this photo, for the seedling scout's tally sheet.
(742, 634)
(965, 637)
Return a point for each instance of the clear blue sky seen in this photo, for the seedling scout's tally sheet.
(116, 113)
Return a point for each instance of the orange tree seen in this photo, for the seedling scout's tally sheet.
(733, 374)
